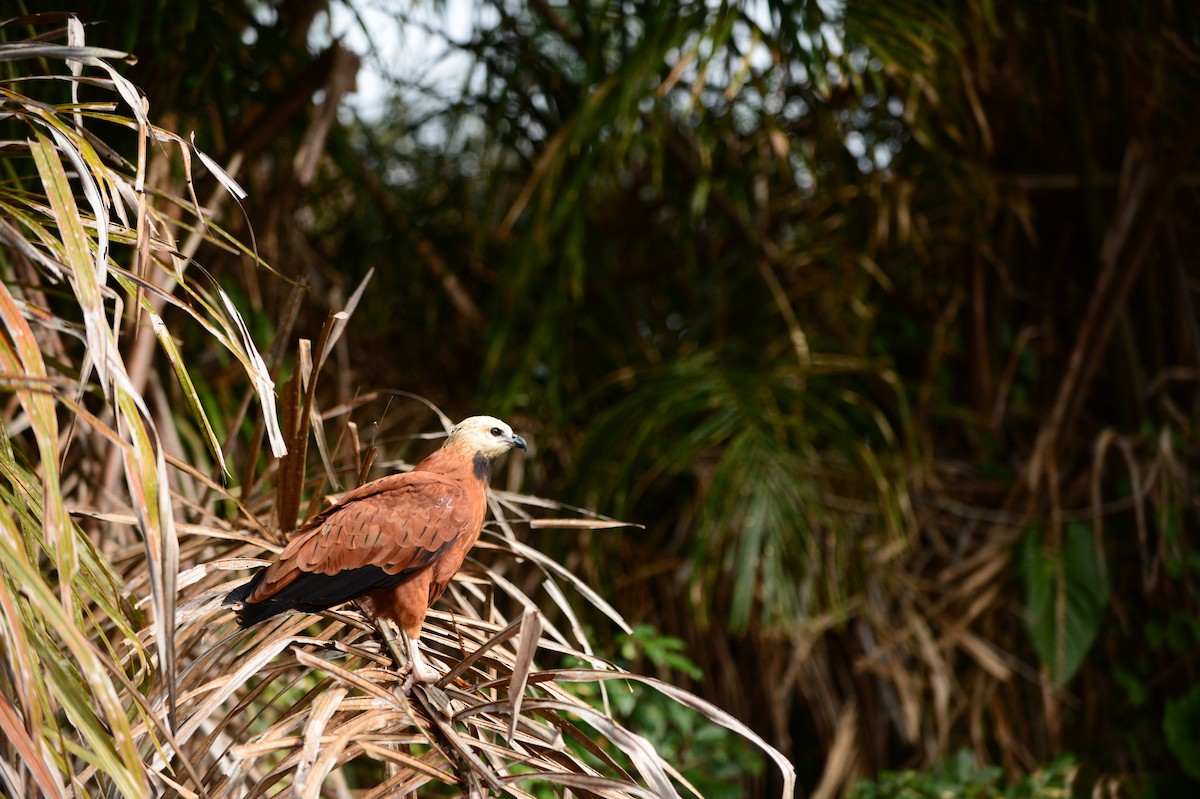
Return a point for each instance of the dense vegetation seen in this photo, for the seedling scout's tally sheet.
(880, 317)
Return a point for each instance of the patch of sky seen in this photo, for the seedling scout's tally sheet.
(410, 51)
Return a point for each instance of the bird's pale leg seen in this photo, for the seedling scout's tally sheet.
(422, 671)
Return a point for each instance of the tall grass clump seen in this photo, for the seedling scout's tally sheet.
(126, 520)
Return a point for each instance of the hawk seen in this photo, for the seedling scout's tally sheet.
(393, 543)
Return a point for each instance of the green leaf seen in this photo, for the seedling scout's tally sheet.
(1065, 596)
(1181, 726)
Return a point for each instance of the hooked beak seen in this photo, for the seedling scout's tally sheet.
(517, 441)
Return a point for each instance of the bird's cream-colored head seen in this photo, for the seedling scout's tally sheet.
(484, 435)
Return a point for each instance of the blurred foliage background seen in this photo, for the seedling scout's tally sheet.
(880, 316)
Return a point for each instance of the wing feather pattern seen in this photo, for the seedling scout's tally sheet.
(378, 536)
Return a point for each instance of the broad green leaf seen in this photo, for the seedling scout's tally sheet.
(1065, 596)
(1181, 726)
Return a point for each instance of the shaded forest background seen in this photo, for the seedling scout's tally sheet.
(880, 317)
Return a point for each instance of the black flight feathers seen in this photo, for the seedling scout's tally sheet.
(312, 592)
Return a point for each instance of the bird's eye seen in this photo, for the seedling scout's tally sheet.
(495, 431)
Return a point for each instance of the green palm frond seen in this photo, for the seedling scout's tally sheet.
(773, 455)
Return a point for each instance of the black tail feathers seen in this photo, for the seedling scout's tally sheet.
(249, 614)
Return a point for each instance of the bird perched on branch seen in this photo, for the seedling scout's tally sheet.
(393, 543)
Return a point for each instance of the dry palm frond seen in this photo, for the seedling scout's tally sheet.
(298, 698)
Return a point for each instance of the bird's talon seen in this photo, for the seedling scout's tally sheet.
(427, 675)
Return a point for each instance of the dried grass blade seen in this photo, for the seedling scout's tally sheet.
(348, 677)
(223, 177)
(19, 653)
(983, 652)
(839, 764)
(17, 51)
(516, 593)
(175, 786)
(87, 167)
(587, 741)
(588, 782)
(149, 491)
(639, 750)
(129, 93)
(75, 38)
(307, 783)
(516, 499)
(531, 631)
(343, 316)
(223, 687)
(577, 630)
(450, 736)
(550, 565)
(704, 708)
(408, 761)
(464, 665)
(309, 371)
(580, 524)
(259, 375)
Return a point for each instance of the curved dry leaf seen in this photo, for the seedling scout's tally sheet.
(549, 565)
(580, 524)
(307, 782)
(260, 375)
(218, 172)
(701, 706)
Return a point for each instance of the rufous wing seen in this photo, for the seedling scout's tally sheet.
(378, 536)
